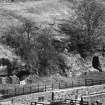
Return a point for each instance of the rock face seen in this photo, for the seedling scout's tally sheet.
(102, 62)
(15, 79)
(6, 52)
(76, 65)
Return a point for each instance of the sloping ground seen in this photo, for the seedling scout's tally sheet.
(6, 21)
(43, 12)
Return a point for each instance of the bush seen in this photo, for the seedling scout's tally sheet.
(87, 29)
(34, 45)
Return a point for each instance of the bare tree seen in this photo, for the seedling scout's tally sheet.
(85, 30)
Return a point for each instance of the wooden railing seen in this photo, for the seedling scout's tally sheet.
(91, 82)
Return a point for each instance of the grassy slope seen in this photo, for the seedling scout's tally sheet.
(40, 11)
(44, 11)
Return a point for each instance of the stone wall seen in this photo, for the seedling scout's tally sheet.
(91, 94)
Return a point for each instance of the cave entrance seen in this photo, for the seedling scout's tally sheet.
(96, 63)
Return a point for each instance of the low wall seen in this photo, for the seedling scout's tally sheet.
(91, 94)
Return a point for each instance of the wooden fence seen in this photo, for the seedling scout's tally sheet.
(91, 82)
(10, 90)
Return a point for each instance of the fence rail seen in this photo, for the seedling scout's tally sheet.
(91, 82)
(10, 91)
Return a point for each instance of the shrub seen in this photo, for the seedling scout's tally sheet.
(86, 30)
(34, 45)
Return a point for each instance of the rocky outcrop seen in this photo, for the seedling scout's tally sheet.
(75, 64)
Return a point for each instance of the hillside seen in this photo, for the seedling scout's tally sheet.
(40, 11)
(43, 12)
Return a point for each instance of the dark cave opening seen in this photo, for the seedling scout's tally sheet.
(22, 75)
(96, 63)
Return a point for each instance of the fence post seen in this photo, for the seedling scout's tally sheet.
(52, 97)
(45, 86)
(59, 85)
(12, 100)
(23, 90)
(100, 82)
(15, 92)
(72, 83)
(103, 81)
(52, 85)
(81, 101)
(30, 89)
(38, 87)
(85, 82)
(7, 92)
(92, 81)
(65, 85)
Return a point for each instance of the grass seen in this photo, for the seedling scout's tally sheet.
(42, 11)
